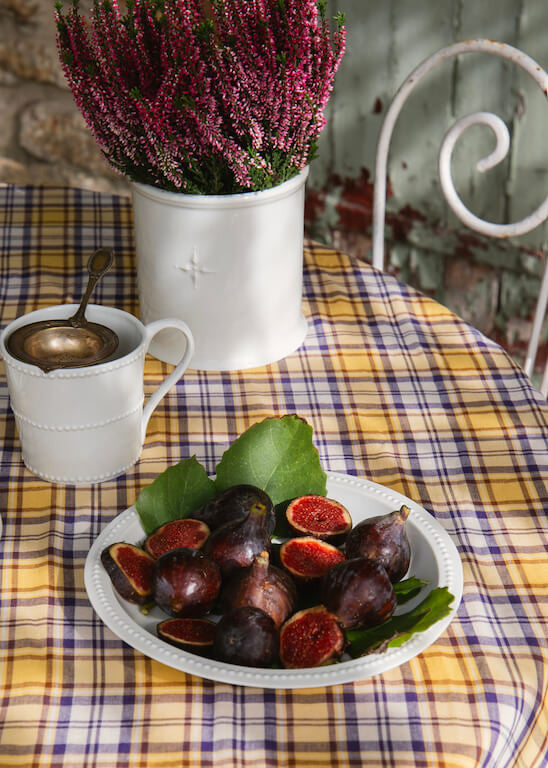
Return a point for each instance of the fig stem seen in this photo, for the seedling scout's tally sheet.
(262, 560)
(258, 509)
(404, 512)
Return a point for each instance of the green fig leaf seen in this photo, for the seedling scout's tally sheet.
(398, 629)
(176, 493)
(276, 455)
(407, 589)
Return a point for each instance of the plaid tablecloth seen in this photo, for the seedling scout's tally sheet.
(398, 390)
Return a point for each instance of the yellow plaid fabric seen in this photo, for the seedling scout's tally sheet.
(397, 390)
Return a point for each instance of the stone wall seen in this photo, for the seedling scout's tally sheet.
(43, 138)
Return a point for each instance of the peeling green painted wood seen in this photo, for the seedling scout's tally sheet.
(426, 245)
(385, 42)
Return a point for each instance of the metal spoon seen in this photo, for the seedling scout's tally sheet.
(70, 343)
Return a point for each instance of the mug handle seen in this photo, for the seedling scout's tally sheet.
(150, 332)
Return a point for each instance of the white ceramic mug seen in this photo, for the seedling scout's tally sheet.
(85, 425)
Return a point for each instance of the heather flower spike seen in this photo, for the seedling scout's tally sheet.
(203, 96)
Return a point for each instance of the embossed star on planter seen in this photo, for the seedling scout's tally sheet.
(194, 268)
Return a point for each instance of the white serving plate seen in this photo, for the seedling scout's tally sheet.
(434, 559)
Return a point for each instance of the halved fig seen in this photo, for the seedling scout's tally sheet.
(307, 558)
(185, 582)
(311, 638)
(130, 570)
(195, 635)
(317, 516)
(383, 538)
(175, 534)
(359, 593)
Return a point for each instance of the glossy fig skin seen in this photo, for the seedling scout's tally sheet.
(234, 504)
(236, 544)
(261, 585)
(186, 583)
(359, 593)
(247, 636)
(130, 570)
(382, 538)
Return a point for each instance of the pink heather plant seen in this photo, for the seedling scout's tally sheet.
(203, 96)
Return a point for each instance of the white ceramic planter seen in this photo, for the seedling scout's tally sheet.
(230, 266)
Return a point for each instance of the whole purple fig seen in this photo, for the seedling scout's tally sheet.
(247, 636)
(263, 586)
(234, 504)
(383, 539)
(359, 593)
(235, 544)
(185, 582)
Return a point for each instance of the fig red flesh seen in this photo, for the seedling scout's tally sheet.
(311, 638)
(130, 570)
(190, 634)
(175, 534)
(308, 558)
(319, 516)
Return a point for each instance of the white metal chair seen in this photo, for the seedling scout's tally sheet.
(444, 167)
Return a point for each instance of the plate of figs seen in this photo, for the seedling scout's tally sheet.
(329, 590)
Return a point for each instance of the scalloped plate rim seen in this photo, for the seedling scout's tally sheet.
(116, 614)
